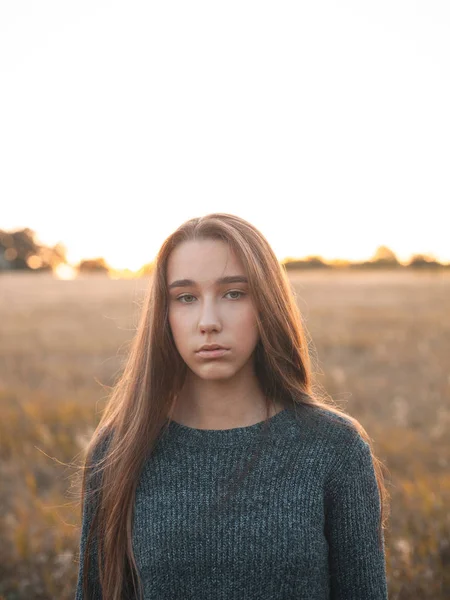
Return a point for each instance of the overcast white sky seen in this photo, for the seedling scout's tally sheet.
(326, 124)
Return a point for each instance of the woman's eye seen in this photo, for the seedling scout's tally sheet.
(236, 292)
(182, 298)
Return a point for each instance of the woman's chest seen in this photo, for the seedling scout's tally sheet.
(271, 525)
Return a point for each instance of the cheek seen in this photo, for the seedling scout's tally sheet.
(247, 324)
(247, 319)
(175, 323)
(181, 328)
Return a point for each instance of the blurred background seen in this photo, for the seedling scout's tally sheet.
(325, 125)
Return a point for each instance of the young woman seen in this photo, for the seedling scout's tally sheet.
(216, 472)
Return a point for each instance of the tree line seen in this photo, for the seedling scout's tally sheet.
(20, 251)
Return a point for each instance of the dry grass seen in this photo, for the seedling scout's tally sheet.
(383, 345)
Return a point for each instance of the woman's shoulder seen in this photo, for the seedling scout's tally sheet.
(332, 438)
(333, 430)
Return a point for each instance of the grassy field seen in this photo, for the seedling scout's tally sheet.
(383, 348)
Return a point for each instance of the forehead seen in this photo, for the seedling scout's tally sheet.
(204, 261)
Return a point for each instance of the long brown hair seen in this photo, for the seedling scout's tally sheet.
(141, 400)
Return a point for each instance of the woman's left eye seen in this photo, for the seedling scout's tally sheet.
(236, 292)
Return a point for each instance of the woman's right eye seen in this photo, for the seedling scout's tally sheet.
(180, 298)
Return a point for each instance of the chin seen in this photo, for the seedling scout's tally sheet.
(214, 374)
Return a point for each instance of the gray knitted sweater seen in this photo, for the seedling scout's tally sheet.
(302, 524)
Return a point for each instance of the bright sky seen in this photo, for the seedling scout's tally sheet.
(324, 123)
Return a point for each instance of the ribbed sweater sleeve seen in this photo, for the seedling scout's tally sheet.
(356, 560)
(88, 510)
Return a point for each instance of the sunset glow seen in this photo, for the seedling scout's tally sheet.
(325, 125)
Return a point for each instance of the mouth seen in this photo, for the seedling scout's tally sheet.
(216, 353)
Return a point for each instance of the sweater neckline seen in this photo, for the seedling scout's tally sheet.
(236, 436)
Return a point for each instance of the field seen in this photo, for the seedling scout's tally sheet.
(382, 342)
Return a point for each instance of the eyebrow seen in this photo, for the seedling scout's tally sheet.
(220, 281)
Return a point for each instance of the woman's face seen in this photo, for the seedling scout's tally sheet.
(205, 311)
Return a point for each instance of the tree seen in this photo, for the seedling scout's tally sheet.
(420, 261)
(93, 265)
(385, 255)
(19, 250)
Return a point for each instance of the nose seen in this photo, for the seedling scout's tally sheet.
(209, 318)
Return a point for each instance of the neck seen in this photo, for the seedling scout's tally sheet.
(221, 405)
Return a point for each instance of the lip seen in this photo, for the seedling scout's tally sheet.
(212, 347)
(212, 353)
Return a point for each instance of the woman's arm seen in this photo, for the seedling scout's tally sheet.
(89, 505)
(93, 575)
(356, 560)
